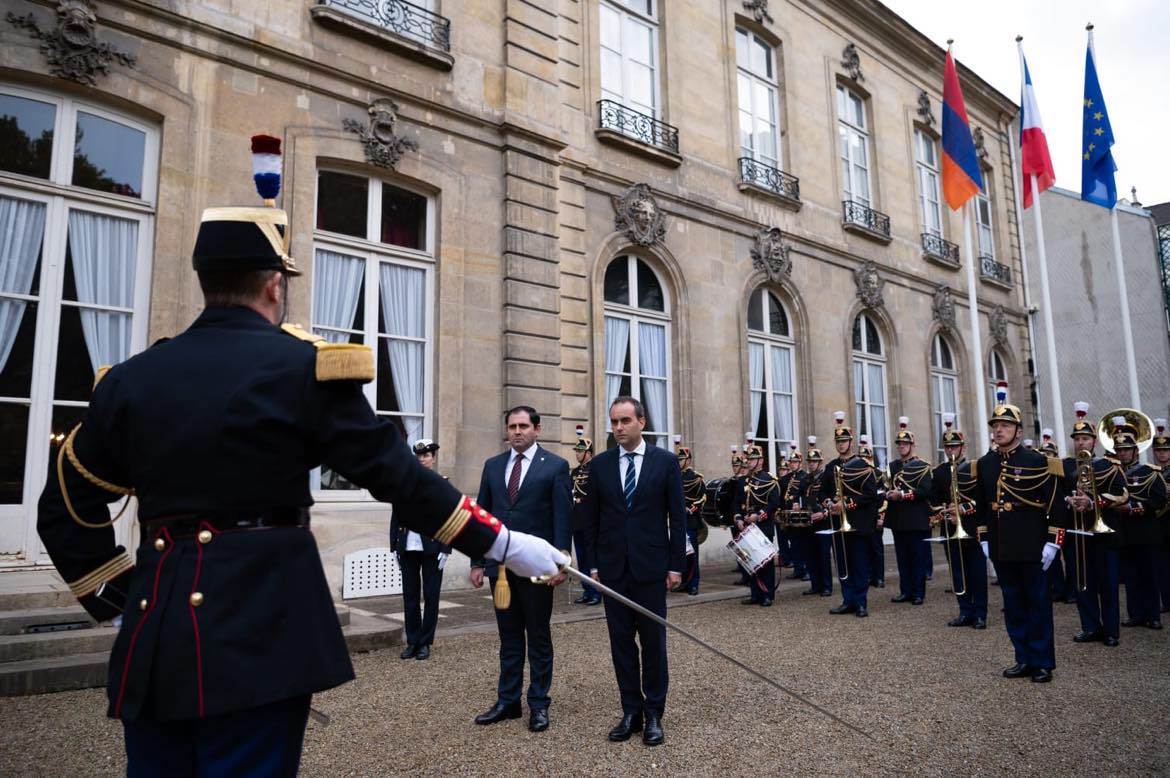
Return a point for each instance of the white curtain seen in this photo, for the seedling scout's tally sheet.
(652, 366)
(756, 381)
(782, 388)
(337, 285)
(22, 226)
(617, 343)
(103, 250)
(403, 295)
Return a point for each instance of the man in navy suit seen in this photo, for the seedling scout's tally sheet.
(527, 488)
(635, 525)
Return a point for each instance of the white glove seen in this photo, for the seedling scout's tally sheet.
(116, 622)
(986, 552)
(527, 555)
(1048, 554)
(443, 560)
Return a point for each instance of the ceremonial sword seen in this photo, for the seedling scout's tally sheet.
(696, 639)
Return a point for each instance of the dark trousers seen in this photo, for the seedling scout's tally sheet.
(1027, 612)
(525, 620)
(910, 549)
(763, 582)
(1062, 574)
(691, 578)
(263, 741)
(1098, 604)
(855, 588)
(816, 564)
(1141, 588)
(584, 562)
(420, 575)
(1162, 566)
(968, 575)
(642, 677)
(877, 557)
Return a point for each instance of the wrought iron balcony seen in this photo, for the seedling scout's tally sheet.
(866, 219)
(937, 248)
(401, 18)
(994, 271)
(618, 118)
(776, 181)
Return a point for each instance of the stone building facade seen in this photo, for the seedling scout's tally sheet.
(730, 208)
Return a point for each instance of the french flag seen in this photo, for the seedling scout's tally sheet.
(961, 177)
(266, 165)
(1034, 157)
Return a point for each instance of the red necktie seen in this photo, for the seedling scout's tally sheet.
(514, 479)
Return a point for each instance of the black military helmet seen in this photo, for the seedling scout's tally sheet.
(237, 239)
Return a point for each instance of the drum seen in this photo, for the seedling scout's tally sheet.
(752, 549)
(719, 509)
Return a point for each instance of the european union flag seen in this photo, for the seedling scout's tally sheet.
(1097, 166)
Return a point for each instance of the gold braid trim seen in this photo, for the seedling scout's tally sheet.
(88, 584)
(344, 362)
(67, 450)
(454, 524)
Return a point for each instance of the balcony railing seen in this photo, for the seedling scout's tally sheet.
(400, 17)
(943, 250)
(858, 215)
(639, 126)
(994, 271)
(767, 177)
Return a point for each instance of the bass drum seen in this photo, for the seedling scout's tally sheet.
(719, 509)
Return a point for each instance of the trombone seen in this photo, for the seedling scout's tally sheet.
(959, 534)
(842, 556)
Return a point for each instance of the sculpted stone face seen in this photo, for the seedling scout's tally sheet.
(643, 213)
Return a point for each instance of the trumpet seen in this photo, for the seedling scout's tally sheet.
(959, 533)
(845, 525)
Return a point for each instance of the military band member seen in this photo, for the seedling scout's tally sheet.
(820, 547)
(579, 476)
(738, 485)
(795, 521)
(226, 615)
(908, 516)
(695, 497)
(855, 506)
(1014, 504)
(877, 545)
(1140, 529)
(1062, 574)
(968, 564)
(843, 441)
(1160, 447)
(760, 503)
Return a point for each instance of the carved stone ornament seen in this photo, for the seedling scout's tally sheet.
(924, 111)
(851, 61)
(869, 284)
(943, 307)
(771, 254)
(980, 143)
(759, 9)
(383, 147)
(639, 216)
(997, 324)
(72, 48)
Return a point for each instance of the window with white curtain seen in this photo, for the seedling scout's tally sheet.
(929, 203)
(983, 219)
(637, 344)
(944, 389)
(629, 54)
(771, 376)
(996, 372)
(77, 201)
(869, 386)
(853, 136)
(756, 85)
(373, 279)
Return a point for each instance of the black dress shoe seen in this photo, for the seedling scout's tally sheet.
(766, 603)
(693, 592)
(423, 653)
(1154, 624)
(916, 601)
(810, 592)
(980, 624)
(582, 600)
(879, 585)
(749, 601)
(538, 720)
(1018, 671)
(959, 621)
(594, 600)
(1110, 641)
(843, 608)
(1041, 676)
(1087, 637)
(861, 613)
(499, 712)
(827, 593)
(653, 735)
(1132, 623)
(408, 652)
(900, 598)
(630, 723)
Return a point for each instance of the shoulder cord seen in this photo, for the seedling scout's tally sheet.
(67, 451)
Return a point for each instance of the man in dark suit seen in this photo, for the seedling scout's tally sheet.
(527, 488)
(635, 520)
(421, 560)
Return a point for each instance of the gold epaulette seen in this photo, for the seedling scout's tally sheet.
(1056, 467)
(100, 374)
(337, 361)
(301, 334)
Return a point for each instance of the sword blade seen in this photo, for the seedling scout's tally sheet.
(608, 592)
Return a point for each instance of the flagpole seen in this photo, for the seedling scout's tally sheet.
(1119, 267)
(976, 339)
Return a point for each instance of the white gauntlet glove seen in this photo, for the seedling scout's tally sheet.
(986, 552)
(443, 560)
(1048, 554)
(526, 555)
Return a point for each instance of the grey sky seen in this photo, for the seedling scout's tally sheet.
(1133, 63)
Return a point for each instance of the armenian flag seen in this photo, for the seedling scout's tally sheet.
(961, 177)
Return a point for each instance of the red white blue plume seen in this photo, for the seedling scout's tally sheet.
(839, 417)
(1000, 392)
(266, 166)
(903, 422)
(864, 439)
(1082, 409)
(1160, 426)
(948, 420)
(580, 430)
(812, 440)
(1046, 434)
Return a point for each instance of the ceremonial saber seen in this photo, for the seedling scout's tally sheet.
(696, 639)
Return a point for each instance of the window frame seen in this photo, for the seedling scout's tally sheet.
(772, 87)
(925, 173)
(940, 377)
(994, 356)
(650, 22)
(771, 343)
(863, 415)
(985, 230)
(846, 128)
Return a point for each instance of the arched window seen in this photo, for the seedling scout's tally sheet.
(944, 387)
(996, 372)
(771, 375)
(637, 343)
(869, 386)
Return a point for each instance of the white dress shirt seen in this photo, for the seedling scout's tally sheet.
(527, 455)
(639, 456)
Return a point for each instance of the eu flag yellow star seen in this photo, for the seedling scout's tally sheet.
(1086, 156)
(1099, 131)
(1098, 116)
(1092, 146)
(1088, 103)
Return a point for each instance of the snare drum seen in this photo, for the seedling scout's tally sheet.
(752, 549)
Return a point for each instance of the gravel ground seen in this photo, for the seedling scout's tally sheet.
(930, 697)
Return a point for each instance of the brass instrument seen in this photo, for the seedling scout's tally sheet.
(1139, 421)
(845, 525)
(1087, 483)
(959, 533)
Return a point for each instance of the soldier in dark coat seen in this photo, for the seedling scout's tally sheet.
(908, 516)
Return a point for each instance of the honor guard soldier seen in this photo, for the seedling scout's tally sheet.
(908, 516)
(738, 481)
(855, 502)
(227, 621)
(1014, 504)
(1160, 446)
(843, 441)
(583, 451)
(794, 515)
(954, 486)
(695, 497)
(1092, 547)
(1062, 573)
(760, 503)
(820, 556)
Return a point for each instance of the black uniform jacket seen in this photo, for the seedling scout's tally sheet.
(762, 493)
(912, 512)
(859, 488)
(1109, 482)
(695, 495)
(1017, 492)
(940, 482)
(1147, 490)
(225, 421)
(579, 478)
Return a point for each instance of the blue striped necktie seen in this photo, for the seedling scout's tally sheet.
(629, 486)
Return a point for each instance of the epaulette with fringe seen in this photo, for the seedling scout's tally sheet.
(337, 361)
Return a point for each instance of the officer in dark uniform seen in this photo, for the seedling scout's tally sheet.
(854, 503)
(843, 440)
(227, 623)
(1160, 446)
(908, 516)
(789, 537)
(583, 450)
(795, 516)
(421, 561)
(968, 564)
(738, 487)
(820, 553)
(695, 497)
(1014, 505)
(761, 500)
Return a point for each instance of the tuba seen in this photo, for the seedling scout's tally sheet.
(1138, 420)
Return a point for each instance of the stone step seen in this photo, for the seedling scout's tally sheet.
(18, 648)
(18, 622)
(37, 588)
(53, 674)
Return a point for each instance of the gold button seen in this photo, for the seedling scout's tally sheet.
(142, 605)
(205, 536)
(196, 599)
(159, 544)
